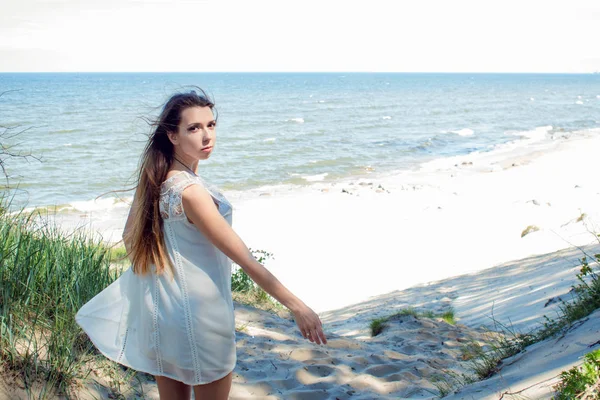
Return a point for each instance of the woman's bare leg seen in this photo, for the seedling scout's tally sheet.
(170, 389)
(217, 390)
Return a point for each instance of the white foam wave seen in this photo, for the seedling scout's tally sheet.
(531, 99)
(464, 132)
(579, 102)
(315, 178)
(271, 139)
(104, 204)
(537, 134)
(598, 96)
(321, 101)
(386, 117)
(298, 120)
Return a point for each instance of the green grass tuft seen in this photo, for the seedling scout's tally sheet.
(448, 316)
(378, 325)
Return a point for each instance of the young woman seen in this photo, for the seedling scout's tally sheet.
(171, 313)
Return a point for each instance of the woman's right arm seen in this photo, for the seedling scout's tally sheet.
(201, 211)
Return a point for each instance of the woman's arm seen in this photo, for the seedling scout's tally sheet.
(201, 211)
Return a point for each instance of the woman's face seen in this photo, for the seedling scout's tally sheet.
(196, 134)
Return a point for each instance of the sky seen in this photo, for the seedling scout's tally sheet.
(305, 35)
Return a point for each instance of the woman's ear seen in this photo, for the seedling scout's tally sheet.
(173, 137)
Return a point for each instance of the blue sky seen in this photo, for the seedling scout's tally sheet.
(307, 35)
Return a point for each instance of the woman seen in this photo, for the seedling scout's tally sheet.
(171, 313)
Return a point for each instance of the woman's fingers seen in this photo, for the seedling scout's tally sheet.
(316, 335)
(321, 335)
(311, 326)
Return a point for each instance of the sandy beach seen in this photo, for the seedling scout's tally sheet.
(487, 235)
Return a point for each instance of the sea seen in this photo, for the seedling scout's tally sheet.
(80, 135)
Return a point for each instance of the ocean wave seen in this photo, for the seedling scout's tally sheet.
(386, 117)
(536, 134)
(298, 120)
(315, 178)
(464, 132)
(271, 139)
(104, 204)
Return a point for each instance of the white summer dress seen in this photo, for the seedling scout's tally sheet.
(182, 327)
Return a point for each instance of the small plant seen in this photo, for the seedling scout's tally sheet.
(448, 316)
(246, 291)
(406, 311)
(581, 382)
(448, 382)
(378, 325)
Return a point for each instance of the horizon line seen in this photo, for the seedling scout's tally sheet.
(302, 72)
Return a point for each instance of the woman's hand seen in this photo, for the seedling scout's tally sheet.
(310, 325)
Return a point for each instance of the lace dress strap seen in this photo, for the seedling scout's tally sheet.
(170, 202)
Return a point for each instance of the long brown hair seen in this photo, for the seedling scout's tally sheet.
(145, 237)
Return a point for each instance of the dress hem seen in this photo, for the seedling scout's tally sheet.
(220, 376)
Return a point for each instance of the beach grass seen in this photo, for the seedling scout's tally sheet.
(506, 342)
(46, 276)
(379, 324)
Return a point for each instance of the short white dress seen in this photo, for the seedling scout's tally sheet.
(182, 328)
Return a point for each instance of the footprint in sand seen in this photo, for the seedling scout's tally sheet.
(307, 354)
(409, 349)
(319, 371)
(382, 370)
(344, 344)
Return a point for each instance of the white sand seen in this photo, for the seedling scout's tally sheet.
(334, 248)
(425, 239)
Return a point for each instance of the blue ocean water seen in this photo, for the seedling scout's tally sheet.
(88, 131)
